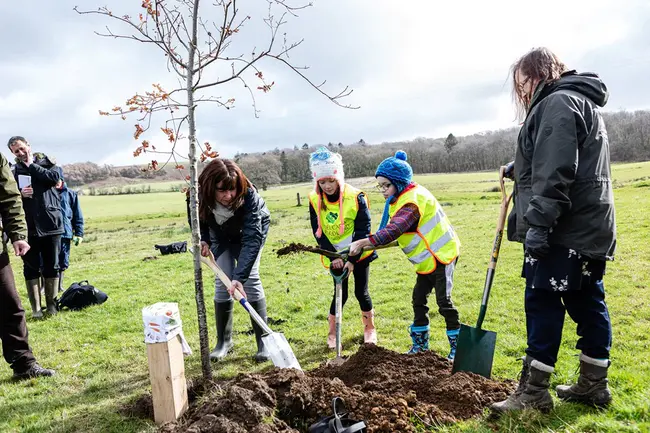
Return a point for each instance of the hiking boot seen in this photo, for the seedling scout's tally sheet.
(369, 330)
(420, 338)
(33, 370)
(591, 387)
(223, 318)
(532, 391)
(262, 354)
(452, 336)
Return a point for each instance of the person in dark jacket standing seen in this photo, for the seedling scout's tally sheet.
(13, 329)
(42, 207)
(73, 226)
(234, 225)
(564, 216)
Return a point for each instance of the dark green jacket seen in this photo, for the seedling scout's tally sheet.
(11, 209)
(562, 169)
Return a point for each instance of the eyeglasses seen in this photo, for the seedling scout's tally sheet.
(383, 186)
(521, 86)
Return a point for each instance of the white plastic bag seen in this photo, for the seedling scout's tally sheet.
(162, 322)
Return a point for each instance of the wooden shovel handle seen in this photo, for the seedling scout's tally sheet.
(212, 264)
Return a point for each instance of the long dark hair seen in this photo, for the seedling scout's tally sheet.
(538, 65)
(230, 176)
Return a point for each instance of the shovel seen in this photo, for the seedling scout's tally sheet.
(345, 253)
(338, 312)
(475, 347)
(279, 350)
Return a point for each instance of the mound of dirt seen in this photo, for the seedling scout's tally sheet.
(294, 248)
(386, 389)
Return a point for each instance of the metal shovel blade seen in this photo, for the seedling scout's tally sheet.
(475, 351)
(279, 351)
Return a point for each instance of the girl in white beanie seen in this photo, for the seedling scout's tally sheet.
(339, 215)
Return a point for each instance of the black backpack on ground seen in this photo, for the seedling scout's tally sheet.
(80, 295)
(339, 422)
(173, 248)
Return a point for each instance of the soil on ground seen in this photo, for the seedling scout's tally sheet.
(390, 392)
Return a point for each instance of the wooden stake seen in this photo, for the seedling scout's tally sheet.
(167, 375)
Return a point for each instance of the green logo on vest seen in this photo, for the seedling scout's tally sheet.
(332, 217)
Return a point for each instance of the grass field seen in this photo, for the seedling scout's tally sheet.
(100, 356)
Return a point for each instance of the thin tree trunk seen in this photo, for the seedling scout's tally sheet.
(194, 209)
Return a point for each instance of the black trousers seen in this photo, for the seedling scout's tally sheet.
(441, 280)
(43, 254)
(13, 329)
(361, 275)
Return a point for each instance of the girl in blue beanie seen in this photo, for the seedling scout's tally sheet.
(414, 218)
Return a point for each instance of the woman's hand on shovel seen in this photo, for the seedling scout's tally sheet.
(205, 249)
(236, 285)
(337, 264)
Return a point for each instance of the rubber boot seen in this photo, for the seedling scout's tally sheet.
(420, 338)
(262, 354)
(532, 391)
(223, 318)
(452, 336)
(34, 294)
(51, 290)
(331, 336)
(369, 330)
(592, 386)
(61, 274)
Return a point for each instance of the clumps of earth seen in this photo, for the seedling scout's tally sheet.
(391, 392)
(295, 248)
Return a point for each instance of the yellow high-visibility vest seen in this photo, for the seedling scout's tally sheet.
(435, 239)
(330, 220)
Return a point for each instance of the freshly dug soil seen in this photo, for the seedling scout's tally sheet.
(294, 248)
(385, 389)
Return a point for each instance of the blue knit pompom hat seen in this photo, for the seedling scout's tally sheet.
(400, 174)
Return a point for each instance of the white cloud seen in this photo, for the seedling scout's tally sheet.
(418, 68)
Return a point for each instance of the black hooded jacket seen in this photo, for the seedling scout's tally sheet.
(43, 210)
(562, 168)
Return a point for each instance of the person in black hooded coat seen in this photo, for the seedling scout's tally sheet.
(564, 215)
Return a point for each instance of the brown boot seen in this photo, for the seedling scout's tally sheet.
(369, 330)
(51, 290)
(34, 294)
(331, 336)
(532, 391)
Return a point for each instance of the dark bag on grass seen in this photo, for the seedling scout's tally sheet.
(174, 248)
(339, 422)
(80, 295)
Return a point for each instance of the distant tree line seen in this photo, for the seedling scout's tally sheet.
(629, 137)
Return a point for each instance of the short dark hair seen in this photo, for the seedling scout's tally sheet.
(13, 140)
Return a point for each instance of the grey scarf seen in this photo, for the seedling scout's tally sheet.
(222, 213)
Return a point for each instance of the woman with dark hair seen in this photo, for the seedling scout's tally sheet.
(564, 216)
(234, 225)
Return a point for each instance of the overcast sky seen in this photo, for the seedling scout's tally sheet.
(418, 69)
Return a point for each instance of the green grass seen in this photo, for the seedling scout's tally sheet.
(100, 355)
